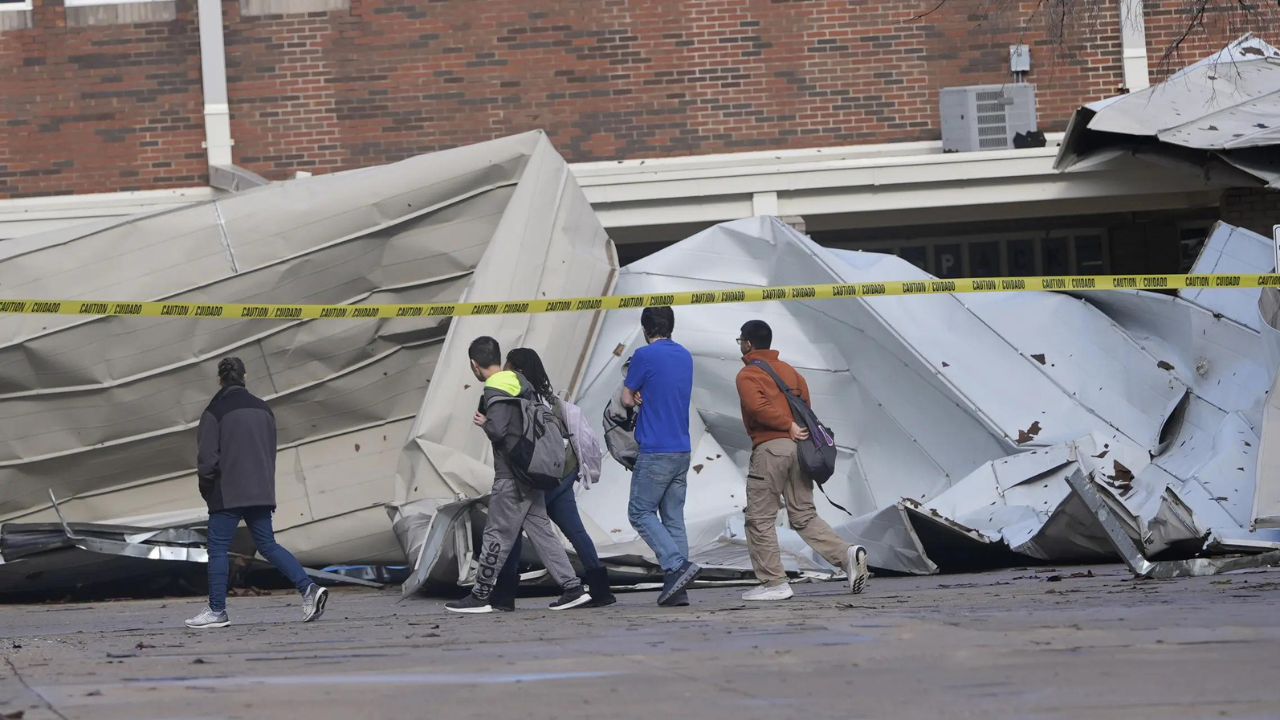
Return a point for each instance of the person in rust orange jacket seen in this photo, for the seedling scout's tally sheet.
(775, 472)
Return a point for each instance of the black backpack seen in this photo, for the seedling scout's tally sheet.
(817, 455)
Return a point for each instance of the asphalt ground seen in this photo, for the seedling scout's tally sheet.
(1066, 643)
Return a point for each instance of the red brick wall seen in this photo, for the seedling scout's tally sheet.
(1255, 209)
(103, 108)
(99, 108)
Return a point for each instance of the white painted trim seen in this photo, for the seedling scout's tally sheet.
(15, 7)
(874, 179)
(93, 3)
(586, 170)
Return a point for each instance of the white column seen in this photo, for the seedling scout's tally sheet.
(1133, 44)
(764, 203)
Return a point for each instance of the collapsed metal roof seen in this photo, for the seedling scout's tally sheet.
(1220, 115)
(102, 411)
(959, 419)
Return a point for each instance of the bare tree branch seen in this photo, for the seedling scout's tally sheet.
(927, 13)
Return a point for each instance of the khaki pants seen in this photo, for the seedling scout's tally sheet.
(775, 472)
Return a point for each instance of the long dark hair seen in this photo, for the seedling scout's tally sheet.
(526, 362)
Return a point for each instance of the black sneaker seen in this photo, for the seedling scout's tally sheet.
(679, 599)
(503, 606)
(469, 604)
(572, 598)
(676, 581)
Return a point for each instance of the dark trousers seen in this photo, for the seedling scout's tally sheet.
(562, 508)
(222, 527)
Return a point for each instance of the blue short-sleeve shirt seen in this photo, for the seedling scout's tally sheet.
(662, 372)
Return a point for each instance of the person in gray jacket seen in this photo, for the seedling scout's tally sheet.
(236, 463)
(581, 465)
(512, 502)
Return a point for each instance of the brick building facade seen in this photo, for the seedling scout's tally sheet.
(110, 101)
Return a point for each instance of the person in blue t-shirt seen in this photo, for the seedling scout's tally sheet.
(659, 383)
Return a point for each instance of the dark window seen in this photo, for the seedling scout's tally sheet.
(1190, 242)
(1022, 257)
(1089, 260)
(1057, 261)
(984, 259)
(917, 255)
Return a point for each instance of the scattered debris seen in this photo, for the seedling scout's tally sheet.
(1026, 436)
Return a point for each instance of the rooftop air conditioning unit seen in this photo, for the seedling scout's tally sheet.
(986, 117)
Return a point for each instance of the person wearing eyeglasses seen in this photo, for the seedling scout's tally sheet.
(775, 472)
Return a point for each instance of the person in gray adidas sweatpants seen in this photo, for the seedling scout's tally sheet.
(512, 504)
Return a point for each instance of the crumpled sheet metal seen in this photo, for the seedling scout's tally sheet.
(958, 419)
(547, 244)
(103, 410)
(62, 557)
(1266, 500)
(1231, 250)
(1226, 104)
(1116, 523)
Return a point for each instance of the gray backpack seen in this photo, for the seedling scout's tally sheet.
(620, 434)
(537, 454)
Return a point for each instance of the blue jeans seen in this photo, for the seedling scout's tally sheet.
(562, 508)
(222, 527)
(658, 486)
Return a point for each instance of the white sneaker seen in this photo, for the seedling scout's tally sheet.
(209, 619)
(855, 566)
(764, 592)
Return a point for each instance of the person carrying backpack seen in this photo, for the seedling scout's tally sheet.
(518, 432)
(582, 462)
(776, 471)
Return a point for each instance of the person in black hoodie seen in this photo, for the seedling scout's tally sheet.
(236, 463)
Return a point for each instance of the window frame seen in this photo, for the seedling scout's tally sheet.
(1037, 237)
(1198, 225)
(22, 5)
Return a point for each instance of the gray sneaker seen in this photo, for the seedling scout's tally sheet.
(209, 619)
(313, 601)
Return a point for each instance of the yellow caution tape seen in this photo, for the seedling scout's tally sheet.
(237, 311)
